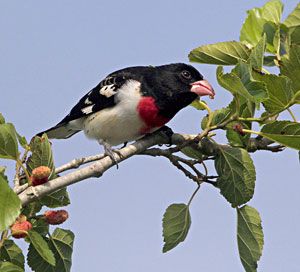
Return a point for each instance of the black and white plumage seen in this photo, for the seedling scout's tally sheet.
(132, 102)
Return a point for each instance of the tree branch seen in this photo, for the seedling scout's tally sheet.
(102, 163)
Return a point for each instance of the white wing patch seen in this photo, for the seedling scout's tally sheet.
(87, 110)
(88, 102)
(108, 90)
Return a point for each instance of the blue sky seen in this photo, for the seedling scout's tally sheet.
(54, 52)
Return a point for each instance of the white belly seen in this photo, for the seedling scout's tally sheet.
(120, 123)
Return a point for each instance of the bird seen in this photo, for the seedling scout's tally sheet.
(132, 102)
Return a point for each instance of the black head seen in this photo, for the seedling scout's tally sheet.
(175, 86)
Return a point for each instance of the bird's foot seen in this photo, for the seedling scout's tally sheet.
(110, 152)
(167, 132)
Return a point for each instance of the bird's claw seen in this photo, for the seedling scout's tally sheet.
(108, 151)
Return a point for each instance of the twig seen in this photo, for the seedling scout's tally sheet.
(78, 162)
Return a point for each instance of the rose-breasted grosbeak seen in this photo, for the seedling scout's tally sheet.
(132, 102)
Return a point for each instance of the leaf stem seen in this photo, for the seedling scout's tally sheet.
(193, 195)
(20, 163)
(3, 237)
(292, 114)
(251, 131)
(265, 71)
(209, 111)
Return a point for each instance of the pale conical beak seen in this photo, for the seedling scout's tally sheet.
(202, 87)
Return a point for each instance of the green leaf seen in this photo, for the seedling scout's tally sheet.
(255, 88)
(254, 25)
(218, 117)
(290, 66)
(252, 29)
(10, 267)
(61, 244)
(256, 58)
(10, 252)
(223, 53)
(32, 208)
(294, 35)
(56, 199)
(8, 142)
(192, 152)
(41, 247)
(284, 132)
(296, 98)
(280, 92)
(236, 175)
(176, 224)
(269, 60)
(2, 119)
(293, 19)
(2, 172)
(22, 141)
(10, 204)
(41, 154)
(250, 237)
(240, 82)
(272, 11)
(40, 226)
(198, 105)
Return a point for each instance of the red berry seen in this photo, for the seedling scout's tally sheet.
(56, 217)
(19, 229)
(40, 175)
(239, 129)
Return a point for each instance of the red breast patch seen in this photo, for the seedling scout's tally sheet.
(149, 113)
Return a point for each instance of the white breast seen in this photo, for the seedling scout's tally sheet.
(120, 123)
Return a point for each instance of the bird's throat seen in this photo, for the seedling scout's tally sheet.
(149, 113)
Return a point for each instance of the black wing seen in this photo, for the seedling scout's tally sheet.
(100, 97)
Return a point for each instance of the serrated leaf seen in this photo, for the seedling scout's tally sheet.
(256, 58)
(255, 88)
(10, 252)
(290, 66)
(176, 224)
(41, 247)
(284, 132)
(250, 237)
(293, 19)
(41, 154)
(61, 244)
(40, 226)
(8, 142)
(236, 173)
(254, 25)
(252, 29)
(223, 53)
(10, 204)
(245, 87)
(280, 92)
(10, 267)
(2, 119)
(56, 199)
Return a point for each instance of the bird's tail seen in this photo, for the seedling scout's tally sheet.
(60, 131)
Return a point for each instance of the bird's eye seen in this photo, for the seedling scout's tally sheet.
(186, 74)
